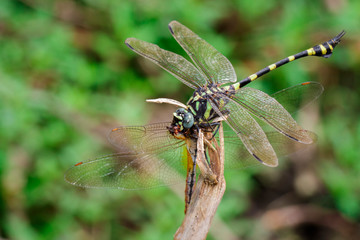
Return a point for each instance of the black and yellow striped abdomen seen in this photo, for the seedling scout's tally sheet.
(321, 50)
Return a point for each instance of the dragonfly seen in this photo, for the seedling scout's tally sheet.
(153, 155)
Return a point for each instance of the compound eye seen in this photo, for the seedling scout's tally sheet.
(188, 120)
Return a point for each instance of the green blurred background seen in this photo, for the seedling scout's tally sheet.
(67, 78)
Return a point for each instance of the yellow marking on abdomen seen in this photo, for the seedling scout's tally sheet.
(272, 67)
(323, 49)
(311, 52)
(291, 58)
(253, 77)
(236, 86)
(331, 48)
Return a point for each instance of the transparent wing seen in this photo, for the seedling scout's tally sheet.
(213, 64)
(175, 64)
(272, 112)
(142, 139)
(238, 157)
(148, 157)
(293, 99)
(298, 96)
(248, 130)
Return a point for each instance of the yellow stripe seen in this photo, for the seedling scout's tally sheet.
(323, 49)
(311, 51)
(291, 58)
(272, 67)
(253, 77)
(226, 88)
(331, 48)
(192, 110)
(207, 112)
(236, 86)
(196, 97)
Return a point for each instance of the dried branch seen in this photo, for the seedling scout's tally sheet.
(206, 198)
(201, 162)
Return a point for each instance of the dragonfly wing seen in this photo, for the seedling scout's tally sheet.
(212, 63)
(175, 64)
(269, 110)
(298, 96)
(248, 130)
(136, 139)
(154, 161)
(238, 157)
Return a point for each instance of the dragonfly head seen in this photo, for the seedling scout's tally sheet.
(183, 118)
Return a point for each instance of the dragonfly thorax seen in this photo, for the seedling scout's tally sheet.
(202, 103)
(198, 114)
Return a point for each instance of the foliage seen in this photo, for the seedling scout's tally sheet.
(66, 79)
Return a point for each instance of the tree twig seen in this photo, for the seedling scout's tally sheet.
(206, 198)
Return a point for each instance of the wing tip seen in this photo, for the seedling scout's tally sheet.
(173, 22)
(172, 25)
(170, 29)
(305, 83)
(79, 163)
(303, 137)
(66, 178)
(275, 163)
(309, 137)
(127, 42)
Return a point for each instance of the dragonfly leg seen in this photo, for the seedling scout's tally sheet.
(216, 131)
(204, 159)
(211, 126)
(191, 172)
(207, 158)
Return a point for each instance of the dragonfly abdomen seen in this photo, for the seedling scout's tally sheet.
(321, 50)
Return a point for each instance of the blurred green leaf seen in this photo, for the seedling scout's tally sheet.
(67, 78)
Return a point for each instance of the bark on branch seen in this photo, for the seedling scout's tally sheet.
(207, 195)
